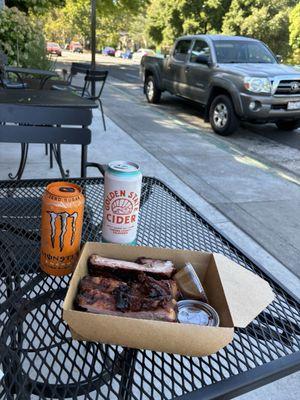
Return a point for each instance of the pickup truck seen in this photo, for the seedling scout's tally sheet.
(235, 78)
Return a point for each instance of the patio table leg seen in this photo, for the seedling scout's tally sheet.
(24, 154)
(127, 373)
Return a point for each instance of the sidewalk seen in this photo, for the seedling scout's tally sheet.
(117, 144)
(261, 200)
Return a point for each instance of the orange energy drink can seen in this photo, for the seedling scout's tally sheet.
(61, 227)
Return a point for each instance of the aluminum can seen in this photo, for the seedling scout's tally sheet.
(122, 191)
(61, 227)
(197, 312)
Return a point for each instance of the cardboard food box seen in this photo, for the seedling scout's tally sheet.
(237, 295)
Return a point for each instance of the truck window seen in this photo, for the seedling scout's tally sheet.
(181, 50)
(200, 48)
(242, 51)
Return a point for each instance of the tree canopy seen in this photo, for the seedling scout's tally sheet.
(295, 33)
(36, 6)
(266, 20)
(168, 19)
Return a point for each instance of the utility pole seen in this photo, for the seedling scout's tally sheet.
(93, 41)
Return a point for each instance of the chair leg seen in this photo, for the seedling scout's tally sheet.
(102, 113)
(24, 154)
(46, 149)
(57, 154)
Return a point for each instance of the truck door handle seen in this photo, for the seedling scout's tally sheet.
(187, 69)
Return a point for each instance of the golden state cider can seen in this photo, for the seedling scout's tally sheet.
(61, 227)
(122, 191)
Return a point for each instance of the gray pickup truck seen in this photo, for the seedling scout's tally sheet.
(235, 78)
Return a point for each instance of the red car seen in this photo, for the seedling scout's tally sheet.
(53, 48)
(76, 47)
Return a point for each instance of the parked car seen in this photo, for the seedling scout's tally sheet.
(118, 53)
(235, 78)
(138, 55)
(109, 51)
(76, 47)
(127, 54)
(53, 48)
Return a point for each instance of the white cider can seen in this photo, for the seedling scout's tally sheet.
(122, 191)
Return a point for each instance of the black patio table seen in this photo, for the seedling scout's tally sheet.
(42, 75)
(40, 360)
(45, 116)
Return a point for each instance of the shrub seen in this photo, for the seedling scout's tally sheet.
(22, 40)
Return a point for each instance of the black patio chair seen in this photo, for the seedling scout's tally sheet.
(76, 68)
(91, 78)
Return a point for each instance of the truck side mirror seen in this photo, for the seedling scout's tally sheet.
(202, 59)
(279, 58)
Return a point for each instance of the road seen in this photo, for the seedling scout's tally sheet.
(130, 73)
(265, 143)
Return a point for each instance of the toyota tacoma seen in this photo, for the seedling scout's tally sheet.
(235, 78)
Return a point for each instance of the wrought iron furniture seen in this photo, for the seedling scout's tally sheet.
(34, 116)
(42, 75)
(76, 68)
(91, 78)
(88, 89)
(38, 356)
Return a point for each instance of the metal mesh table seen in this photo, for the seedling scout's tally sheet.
(38, 356)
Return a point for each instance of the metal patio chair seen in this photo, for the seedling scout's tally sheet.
(92, 77)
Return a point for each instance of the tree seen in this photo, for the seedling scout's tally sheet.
(21, 39)
(294, 29)
(168, 19)
(266, 20)
(36, 6)
(74, 20)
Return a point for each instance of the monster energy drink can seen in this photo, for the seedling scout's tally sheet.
(122, 190)
(61, 226)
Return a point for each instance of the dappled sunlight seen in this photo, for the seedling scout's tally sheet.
(251, 162)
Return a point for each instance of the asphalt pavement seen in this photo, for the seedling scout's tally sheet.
(250, 177)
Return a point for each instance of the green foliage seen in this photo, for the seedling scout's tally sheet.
(35, 6)
(74, 20)
(266, 20)
(295, 33)
(21, 39)
(168, 19)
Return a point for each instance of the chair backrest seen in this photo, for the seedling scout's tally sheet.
(35, 124)
(93, 76)
(77, 68)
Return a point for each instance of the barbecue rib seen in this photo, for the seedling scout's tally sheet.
(98, 265)
(144, 297)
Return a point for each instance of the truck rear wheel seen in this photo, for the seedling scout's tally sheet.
(152, 92)
(288, 125)
(222, 116)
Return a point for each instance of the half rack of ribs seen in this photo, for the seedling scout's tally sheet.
(141, 296)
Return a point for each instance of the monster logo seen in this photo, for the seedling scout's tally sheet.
(63, 217)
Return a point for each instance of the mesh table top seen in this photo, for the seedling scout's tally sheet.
(40, 360)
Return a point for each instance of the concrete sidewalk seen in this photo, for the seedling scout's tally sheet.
(258, 198)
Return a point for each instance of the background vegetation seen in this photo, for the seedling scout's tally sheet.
(147, 23)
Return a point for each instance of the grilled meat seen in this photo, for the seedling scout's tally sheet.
(144, 297)
(100, 306)
(98, 265)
